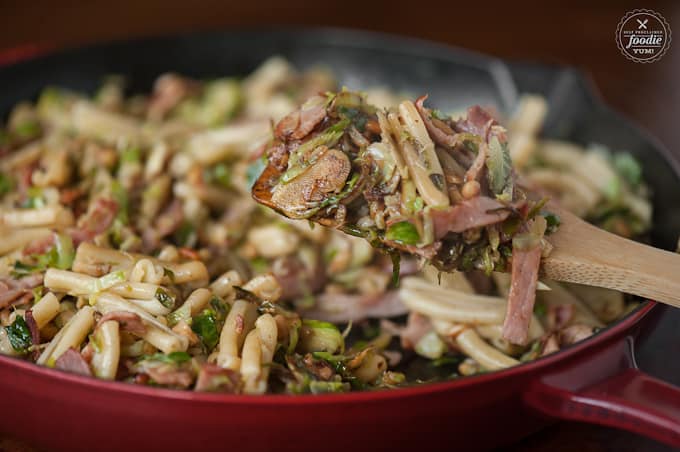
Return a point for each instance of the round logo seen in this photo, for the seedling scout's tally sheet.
(643, 36)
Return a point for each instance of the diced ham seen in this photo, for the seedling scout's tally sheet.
(213, 378)
(470, 213)
(296, 279)
(300, 123)
(525, 264)
(417, 326)
(550, 345)
(168, 91)
(170, 375)
(309, 118)
(97, 220)
(39, 246)
(32, 327)
(338, 308)
(72, 361)
(27, 282)
(558, 316)
(575, 333)
(477, 122)
(11, 296)
(129, 321)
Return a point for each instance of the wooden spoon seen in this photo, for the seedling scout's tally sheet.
(588, 255)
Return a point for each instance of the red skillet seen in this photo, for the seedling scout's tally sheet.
(594, 381)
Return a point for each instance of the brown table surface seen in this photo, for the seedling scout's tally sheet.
(576, 33)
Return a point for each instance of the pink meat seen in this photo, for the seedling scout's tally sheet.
(338, 308)
(522, 294)
(73, 362)
(417, 326)
(470, 213)
(213, 378)
(168, 375)
(97, 220)
(128, 321)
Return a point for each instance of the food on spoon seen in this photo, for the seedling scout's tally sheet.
(409, 179)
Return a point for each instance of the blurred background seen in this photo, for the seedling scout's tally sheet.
(576, 33)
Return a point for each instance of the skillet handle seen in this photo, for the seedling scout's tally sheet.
(629, 400)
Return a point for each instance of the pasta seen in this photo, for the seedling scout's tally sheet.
(133, 251)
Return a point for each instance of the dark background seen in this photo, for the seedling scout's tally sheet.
(575, 33)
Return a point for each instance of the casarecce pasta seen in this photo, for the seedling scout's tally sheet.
(133, 251)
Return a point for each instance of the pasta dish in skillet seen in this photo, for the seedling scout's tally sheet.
(133, 250)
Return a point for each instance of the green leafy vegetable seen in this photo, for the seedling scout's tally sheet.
(27, 129)
(34, 199)
(628, 167)
(403, 232)
(552, 220)
(302, 157)
(19, 335)
(131, 155)
(170, 358)
(255, 170)
(6, 184)
(318, 336)
(500, 168)
(19, 269)
(206, 326)
(121, 197)
(220, 175)
(165, 299)
(169, 273)
(185, 235)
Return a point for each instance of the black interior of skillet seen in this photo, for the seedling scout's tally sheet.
(453, 78)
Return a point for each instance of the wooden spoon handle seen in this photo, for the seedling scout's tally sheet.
(588, 255)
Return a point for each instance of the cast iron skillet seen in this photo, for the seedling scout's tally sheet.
(594, 381)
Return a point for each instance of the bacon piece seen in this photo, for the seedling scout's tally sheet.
(470, 213)
(288, 125)
(337, 308)
(11, 296)
(477, 122)
(309, 119)
(575, 333)
(39, 246)
(97, 220)
(69, 195)
(32, 327)
(296, 279)
(213, 378)
(440, 132)
(525, 264)
(73, 362)
(27, 282)
(300, 123)
(417, 326)
(558, 316)
(168, 91)
(129, 321)
(550, 345)
(169, 375)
